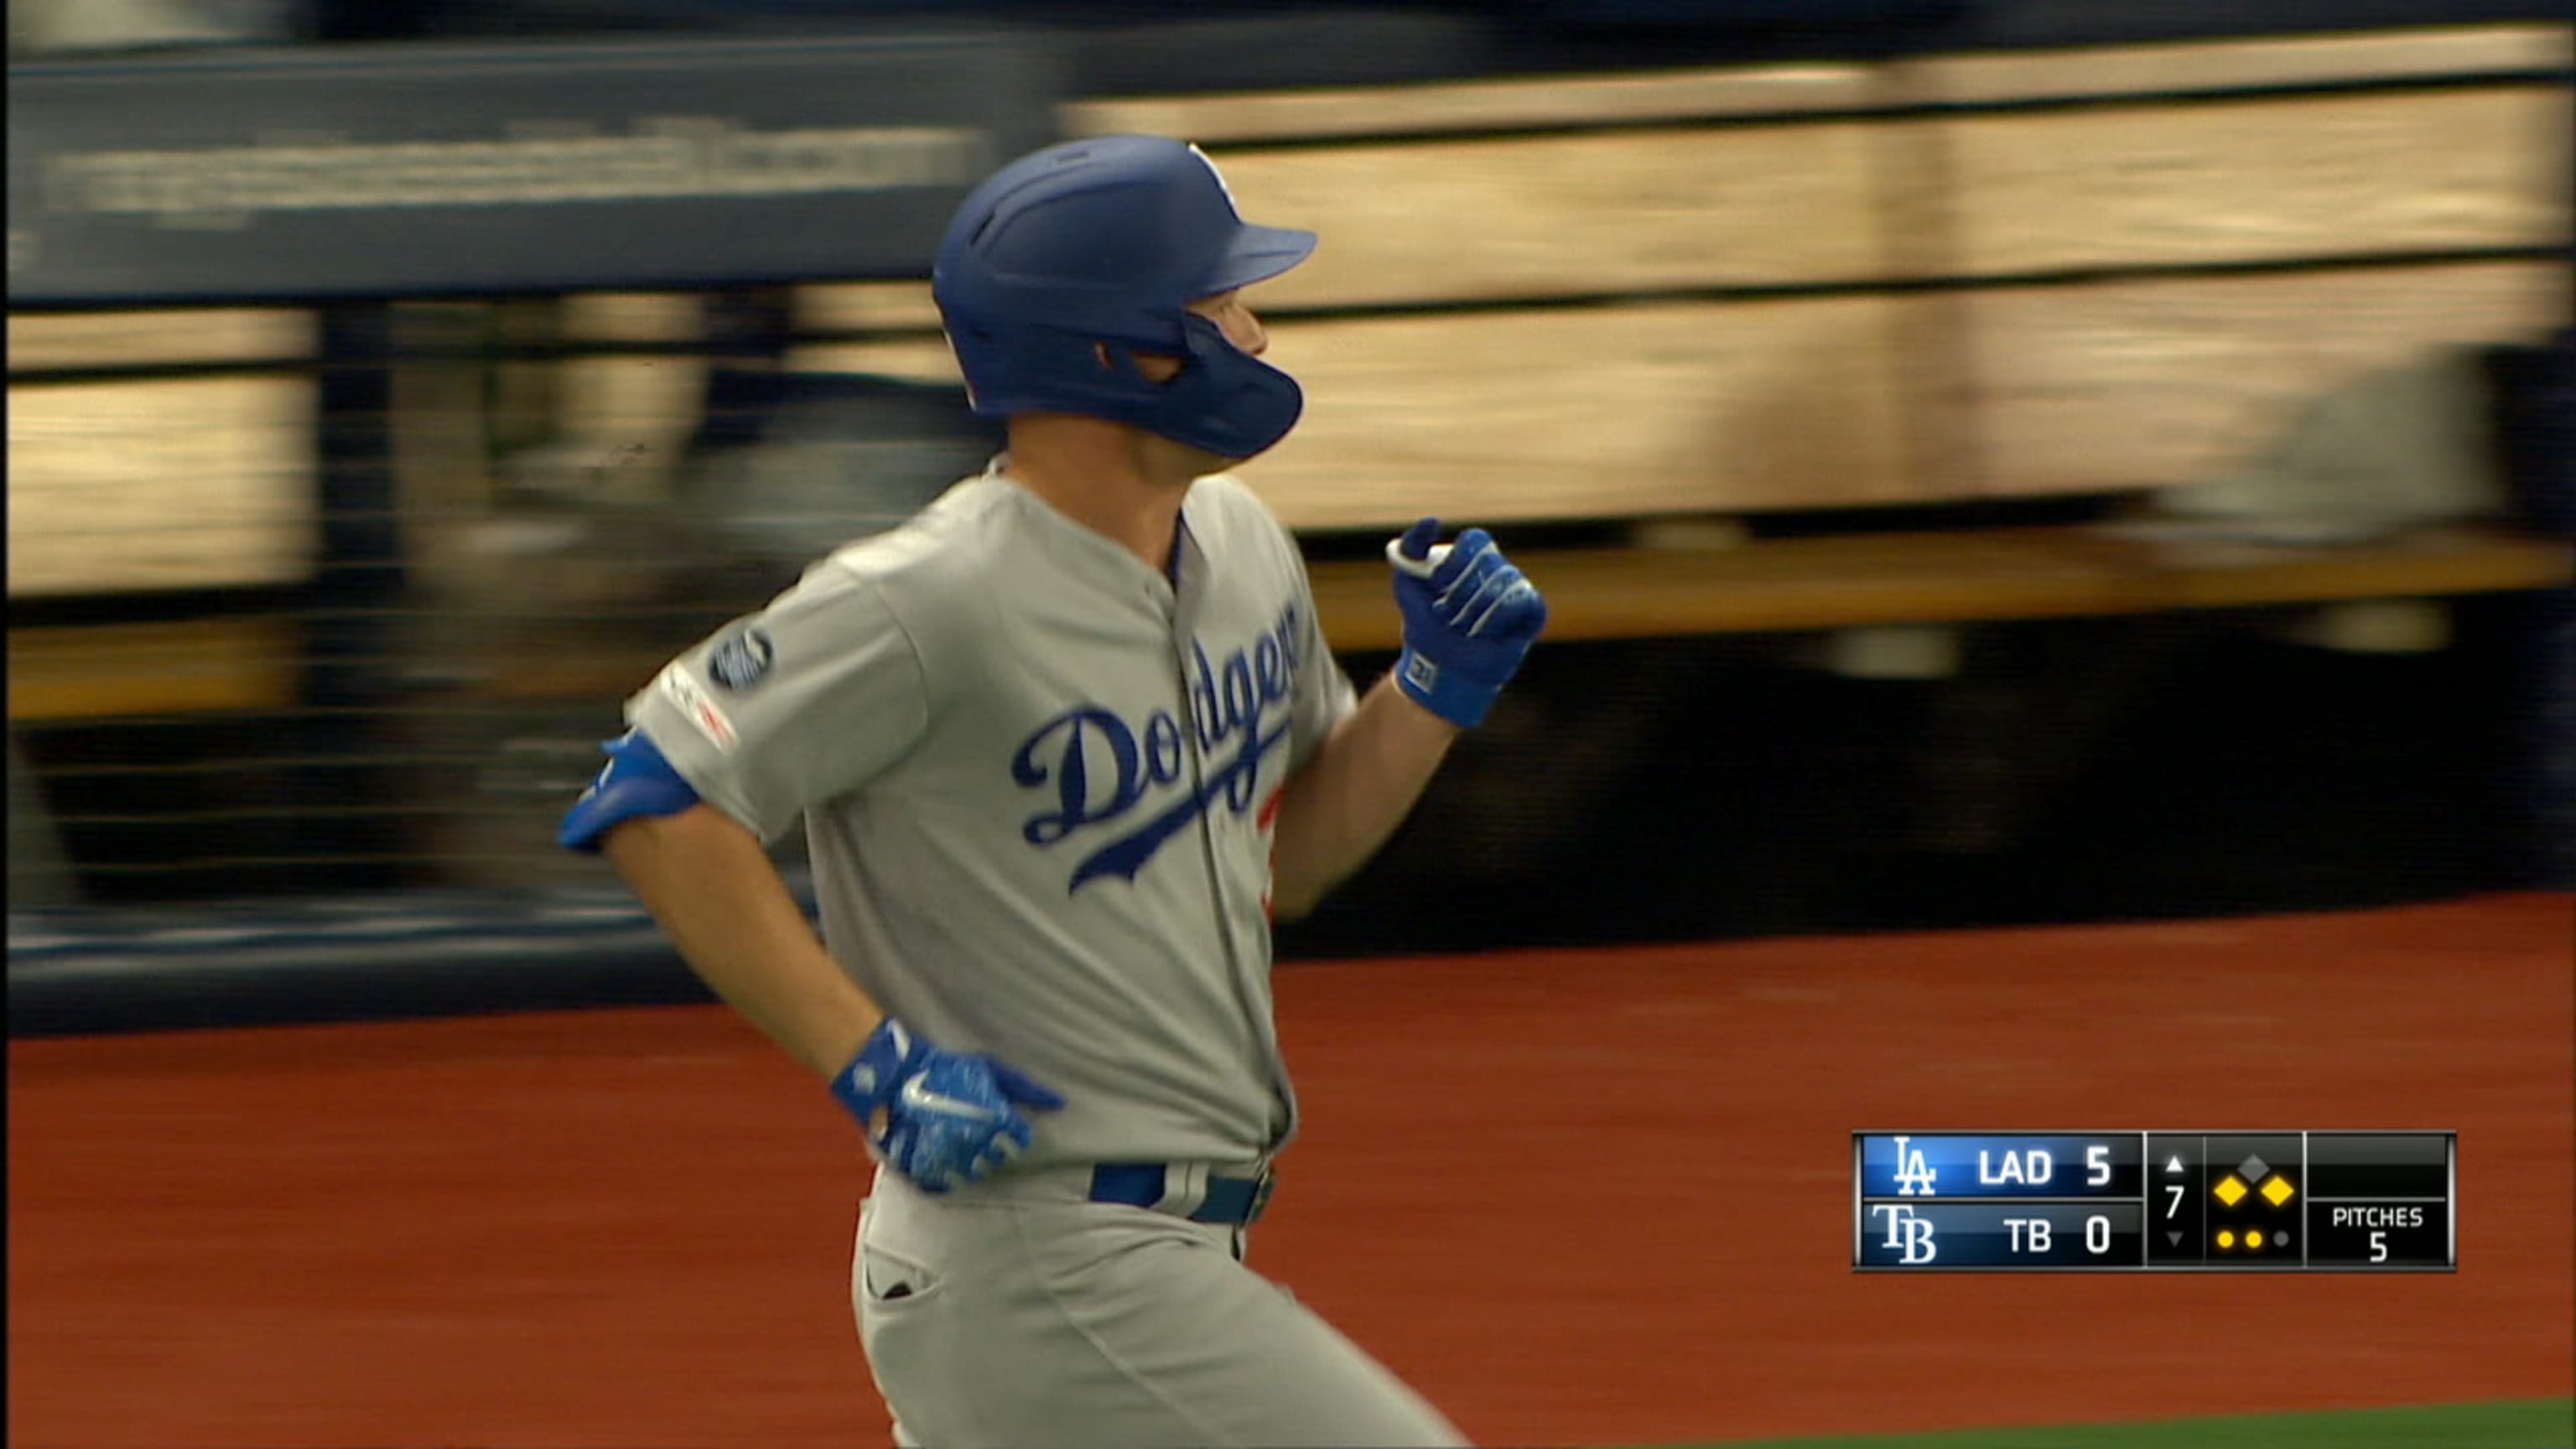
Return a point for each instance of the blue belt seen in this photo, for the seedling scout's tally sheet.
(1236, 1201)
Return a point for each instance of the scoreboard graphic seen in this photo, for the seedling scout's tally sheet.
(2155, 1201)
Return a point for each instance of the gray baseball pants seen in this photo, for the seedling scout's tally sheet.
(1019, 1313)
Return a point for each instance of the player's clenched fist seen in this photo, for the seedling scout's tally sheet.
(941, 1118)
(1469, 619)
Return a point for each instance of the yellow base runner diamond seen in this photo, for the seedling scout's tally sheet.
(2278, 1190)
(2230, 1191)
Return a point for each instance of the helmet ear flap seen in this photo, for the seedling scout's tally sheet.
(1227, 401)
(1138, 367)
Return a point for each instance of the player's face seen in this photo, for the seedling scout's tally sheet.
(1244, 330)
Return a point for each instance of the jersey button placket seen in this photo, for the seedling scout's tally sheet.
(1239, 964)
(1193, 709)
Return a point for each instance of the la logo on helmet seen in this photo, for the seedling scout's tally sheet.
(1231, 204)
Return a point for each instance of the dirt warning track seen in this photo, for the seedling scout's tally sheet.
(1578, 1197)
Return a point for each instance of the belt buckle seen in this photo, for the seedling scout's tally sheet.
(1262, 1187)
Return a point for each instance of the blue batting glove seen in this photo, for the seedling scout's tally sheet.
(950, 1118)
(1469, 619)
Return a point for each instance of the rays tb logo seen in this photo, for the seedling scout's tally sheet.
(1907, 1231)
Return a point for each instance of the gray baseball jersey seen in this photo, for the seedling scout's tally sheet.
(1036, 777)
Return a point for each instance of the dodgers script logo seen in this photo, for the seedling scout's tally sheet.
(1102, 766)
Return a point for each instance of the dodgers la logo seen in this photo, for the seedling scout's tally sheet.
(1914, 1176)
(1103, 767)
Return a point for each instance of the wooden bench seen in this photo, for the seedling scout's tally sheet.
(1783, 585)
(1725, 292)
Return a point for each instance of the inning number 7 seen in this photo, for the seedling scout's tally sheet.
(2175, 1206)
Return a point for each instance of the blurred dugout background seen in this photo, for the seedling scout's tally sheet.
(326, 602)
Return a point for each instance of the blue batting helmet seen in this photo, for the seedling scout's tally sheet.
(1094, 249)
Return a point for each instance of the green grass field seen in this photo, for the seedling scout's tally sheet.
(2518, 1424)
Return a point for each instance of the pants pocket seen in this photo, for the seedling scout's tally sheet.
(905, 1326)
(888, 1272)
(886, 1277)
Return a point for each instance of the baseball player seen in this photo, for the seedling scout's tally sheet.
(1061, 746)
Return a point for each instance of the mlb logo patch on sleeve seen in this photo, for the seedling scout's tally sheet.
(739, 662)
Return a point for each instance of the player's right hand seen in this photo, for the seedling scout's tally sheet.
(1470, 617)
(941, 1118)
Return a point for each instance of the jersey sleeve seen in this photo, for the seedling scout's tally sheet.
(809, 699)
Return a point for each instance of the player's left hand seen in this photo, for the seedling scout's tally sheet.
(1470, 617)
(941, 1118)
